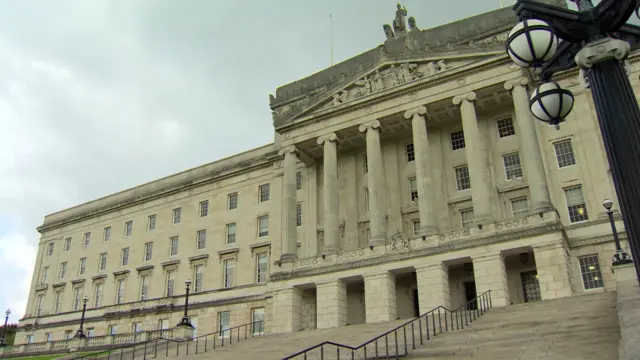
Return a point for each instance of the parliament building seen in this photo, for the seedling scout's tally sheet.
(410, 176)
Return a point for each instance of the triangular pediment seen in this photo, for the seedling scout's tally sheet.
(385, 77)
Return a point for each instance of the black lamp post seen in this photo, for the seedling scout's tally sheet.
(185, 319)
(80, 333)
(598, 40)
(3, 341)
(621, 256)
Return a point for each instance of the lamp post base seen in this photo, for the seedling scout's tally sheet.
(621, 257)
(80, 335)
(185, 321)
(619, 119)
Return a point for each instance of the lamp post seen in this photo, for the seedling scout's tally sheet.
(80, 333)
(185, 319)
(4, 329)
(621, 256)
(597, 40)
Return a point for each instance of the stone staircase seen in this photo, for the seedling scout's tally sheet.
(583, 327)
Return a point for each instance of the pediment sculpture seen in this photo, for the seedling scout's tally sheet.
(400, 24)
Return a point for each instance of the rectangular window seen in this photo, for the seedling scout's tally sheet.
(77, 298)
(163, 324)
(564, 153)
(198, 271)
(512, 166)
(97, 295)
(575, 204)
(124, 257)
(136, 327)
(298, 180)
(298, 215)
(201, 237)
(39, 305)
(366, 198)
(148, 251)
(102, 266)
(223, 324)
(63, 270)
(229, 265)
(519, 207)
(463, 181)
(68, 334)
(232, 201)
(590, 271)
(106, 234)
(263, 193)
(365, 164)
(120, 288)
(128, 228)
(204, 208)
(67, 244)
(87, 239)
(177, 213)
(505, 127)
(263, 226)
(30, 339)
(257, 320)
(410, 152)
(457, 140)
(231, 233)
(50, 249)
(413, 189)
(262, 263)
(466, 217)
(45, 275)
(151, 222)
(82, 268)
(171, 276)
(144, 287)
(113, 330)
(416, 227)
(91, 332)
(48, 337)
(173, 249)
(57, 300)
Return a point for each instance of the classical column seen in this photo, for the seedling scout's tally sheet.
(289, 201)
(426, 200)
(380, 297)
(529, 148)
(331, 304)
(477, 159)
(490, 274)
(286, 310)
(330, 193)
(377, 204)
(433, 286)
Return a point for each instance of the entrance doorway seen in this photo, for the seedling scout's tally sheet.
(470, 293)
(530, 286)
(416, 304)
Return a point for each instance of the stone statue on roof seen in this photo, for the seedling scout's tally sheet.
(400, 23)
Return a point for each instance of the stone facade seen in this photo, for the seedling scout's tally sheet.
(416, 180)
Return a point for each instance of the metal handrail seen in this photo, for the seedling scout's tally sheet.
(154, 343)
(482, 304)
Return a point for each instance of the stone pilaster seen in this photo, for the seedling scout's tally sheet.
(287, 310)
(331, 300)
(554, 271)
(426, 199)
(529, 148)
(490, 274)
(380, 297)
(330, 193)
(376, 179)
(433, 286)
(477, 159)
(289, 199)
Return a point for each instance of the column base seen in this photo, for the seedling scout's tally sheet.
(377, 241)
(542, 208)
(483, 219)
(287, 258)
(330, 251)
(429, 230)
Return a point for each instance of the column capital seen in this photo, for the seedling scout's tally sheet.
(600, 50)
(289, 149)
(468, 97)
(487, 257)
(330, 137)
(420, 110)
(371, 125)
(432, 266)
(510, 84)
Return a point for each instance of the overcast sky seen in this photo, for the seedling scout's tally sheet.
(98, 96)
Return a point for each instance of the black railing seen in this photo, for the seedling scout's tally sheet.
(397, 342)
(150, 349)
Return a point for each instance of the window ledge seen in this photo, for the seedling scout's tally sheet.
(199, 257)
(121, 272)
(145, 267)
(78, 281)
(169, 263)
(228, 251)
(98, 277)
